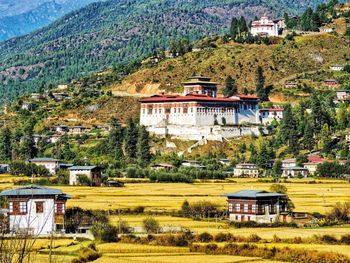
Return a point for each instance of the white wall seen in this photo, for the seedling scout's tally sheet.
(42, 223)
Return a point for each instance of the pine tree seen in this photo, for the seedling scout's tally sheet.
(234, 28)
(288, 131)
(5, 144)
(308, 138)
(230, 87)
(260, 84)
(131, 141)
(116, 140)
(143, 147)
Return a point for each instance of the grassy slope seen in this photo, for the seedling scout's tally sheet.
(280, 62)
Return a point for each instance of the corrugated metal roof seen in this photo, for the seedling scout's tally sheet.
(253, 194)
(31, 190)
(82, 168)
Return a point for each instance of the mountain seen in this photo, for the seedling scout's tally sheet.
(22, 17)
(118, 31)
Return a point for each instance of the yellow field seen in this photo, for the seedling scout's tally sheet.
(159, 197)
(307, 197)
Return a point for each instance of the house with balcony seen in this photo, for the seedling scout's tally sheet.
(246, 170)
(35, 210)
(259, 206)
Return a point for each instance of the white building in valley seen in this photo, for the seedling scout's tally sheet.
(199, 113)
(268, 115)
(265, 27)
(35, 209)
(50, 164)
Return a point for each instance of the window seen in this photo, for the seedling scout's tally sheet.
(167, 110)
(39, 207)
(253, 209)
(11, 207)
(246, 206)
(149, 111)
(230, 207)
(185, 110)
(59, 208)
(23, 207)
(238, 207)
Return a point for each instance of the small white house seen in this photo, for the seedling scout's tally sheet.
(93, 173)
(294, 172)
(270, 114)
(289, 163)
(342, 96)
(337, 67)
(246, 170)
(36, 209)
(50, 164)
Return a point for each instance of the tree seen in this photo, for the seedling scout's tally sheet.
(143, 147)
(115, 142)
(230, 87)
(277, 168)
(260, 84)
(288, 131)
(151, 225)
(131, 138)
(347, 31)
(5, 144)
(279, 188)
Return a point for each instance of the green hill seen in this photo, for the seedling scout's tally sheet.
(112, 32)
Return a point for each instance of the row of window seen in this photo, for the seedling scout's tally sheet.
(186, 110)
(249, 208)
(20, 207)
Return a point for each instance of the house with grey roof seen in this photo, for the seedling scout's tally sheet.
(35, 210)
(257, 205)
(93, 173)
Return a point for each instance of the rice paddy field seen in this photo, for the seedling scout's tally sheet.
(307, 195)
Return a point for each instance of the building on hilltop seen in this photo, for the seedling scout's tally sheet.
(35, 209)
(337, 67)
(342, 96)
(258, 206)
(265, 27)
(198, 113)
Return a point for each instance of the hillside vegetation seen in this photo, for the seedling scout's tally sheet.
(114, 32)
(282, 61)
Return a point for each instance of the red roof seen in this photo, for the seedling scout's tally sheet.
(315, 159)
(272, 109)
(195, 97)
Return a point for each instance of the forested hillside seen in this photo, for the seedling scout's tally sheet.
(114, 32)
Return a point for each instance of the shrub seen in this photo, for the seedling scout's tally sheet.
(345, 239)
(83, 180)
(139, 209)
(151, 225)
(222, 237)
(340, 212)
(87, 254)
(205, 237)
(328, 239)
(105, 232)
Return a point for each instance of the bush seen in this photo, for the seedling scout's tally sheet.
(151, 225)
(205, 237)
(83, 180)
(345, 239)
(87, 254)
(105, 232)
(340, 212)
(328, 239)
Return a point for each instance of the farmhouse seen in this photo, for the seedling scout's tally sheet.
(265, 27)
(270, 114)
(259, 206)
(93, 173)
(36, 209)
(198, 113)
(50, 164)
(246, 170)
(296, 171)
(162, 166)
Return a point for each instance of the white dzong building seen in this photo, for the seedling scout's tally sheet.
(199, 113)
(264, 27)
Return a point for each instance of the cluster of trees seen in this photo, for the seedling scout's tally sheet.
(126, 145)
(27, 169)
(201, 209)
(312, 20)
(180, 47)
(18, 143)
